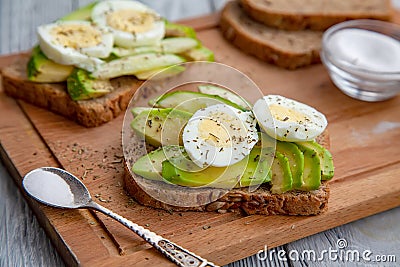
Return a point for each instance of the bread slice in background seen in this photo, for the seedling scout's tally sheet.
(260, 201)
(314, 14)
(287, 49)
(54, 96)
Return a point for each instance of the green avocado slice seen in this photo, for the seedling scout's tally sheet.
(81, 86)
(149, 166)
(43, 70)
(161, 126)
(257, 169)
(281, 179)
(312, 169)
(251, 171)
(217, 177)
(190, 101)
(132, 65)
(224, 93)
(326, 161)
(296, 161)
(173, 45)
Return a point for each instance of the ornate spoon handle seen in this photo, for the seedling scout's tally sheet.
(178, 255)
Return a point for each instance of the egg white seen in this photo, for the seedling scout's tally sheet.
(219, 135)
(288, 120)
(64, 42)
(101, 14)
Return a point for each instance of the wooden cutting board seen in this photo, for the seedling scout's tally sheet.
(365, 141)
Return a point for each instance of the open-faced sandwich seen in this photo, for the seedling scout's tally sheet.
(213, 151)
(87, 64)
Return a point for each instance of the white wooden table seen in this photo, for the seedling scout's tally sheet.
(24, 243)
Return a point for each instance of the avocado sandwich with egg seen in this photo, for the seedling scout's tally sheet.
(88, 64)
(208, 149)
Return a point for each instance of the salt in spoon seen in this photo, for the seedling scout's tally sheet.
(59, 188)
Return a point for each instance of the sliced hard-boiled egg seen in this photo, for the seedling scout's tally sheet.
(132, 23)
(288, 120)
(76, 43)
(219, 135)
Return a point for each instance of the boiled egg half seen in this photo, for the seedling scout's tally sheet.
(77, 43)
(219, 135)
(288, 120)
(132, 23)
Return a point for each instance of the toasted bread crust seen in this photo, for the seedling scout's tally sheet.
(314, 14)
(260, 201)
(287, 49)
(54, 96)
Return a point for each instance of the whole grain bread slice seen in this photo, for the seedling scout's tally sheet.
(54, 96)
(314, 14)
(287, 49)
(260, 201)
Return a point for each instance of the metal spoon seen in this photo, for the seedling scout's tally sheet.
(59, 188)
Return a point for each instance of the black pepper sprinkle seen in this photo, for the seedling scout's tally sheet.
(256, 158)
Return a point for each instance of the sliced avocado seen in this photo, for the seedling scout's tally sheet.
(178, 45)
(296, 161)
(150, 165)
(135, 64)
(137, 110)
(281, 179)
(224, 93)
(81, 86)
(41, 69)
(173, 45)
(200, 53)
(161, 126)
(312, 169)
(257, 169)
(190, 101)
(252, 170)
(218, 177)
(83, 13)
(119, 52)
(178, 30)
(326, 161)
(161, 73)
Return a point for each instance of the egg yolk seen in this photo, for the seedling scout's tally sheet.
(214, 133)
(283, 113)
(76, 36)
(130, 20)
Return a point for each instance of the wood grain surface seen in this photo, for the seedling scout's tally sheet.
(365, 180)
